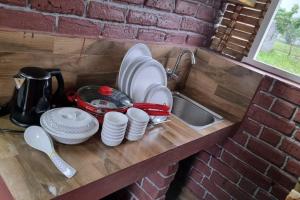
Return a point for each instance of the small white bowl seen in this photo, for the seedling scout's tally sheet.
(109, 142)
(116, 119)
(112, 127)
(112, 138)
(133, 137)
(138, 115)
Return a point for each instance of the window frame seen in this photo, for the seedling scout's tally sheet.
(257, 43)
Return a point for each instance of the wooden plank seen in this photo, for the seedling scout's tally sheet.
(25, 42)
(101, 170)
(216, 81)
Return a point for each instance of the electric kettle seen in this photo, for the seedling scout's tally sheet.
(33, 94)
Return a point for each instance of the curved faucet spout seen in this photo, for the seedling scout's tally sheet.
(172, 73)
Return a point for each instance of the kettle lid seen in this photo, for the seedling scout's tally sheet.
(35, 73)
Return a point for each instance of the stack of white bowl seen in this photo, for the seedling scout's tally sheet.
(113, 128)
(138, 120)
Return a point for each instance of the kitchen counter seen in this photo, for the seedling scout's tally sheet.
(29, 174)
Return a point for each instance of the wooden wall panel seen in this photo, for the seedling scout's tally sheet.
(82, 61)
(221, 84)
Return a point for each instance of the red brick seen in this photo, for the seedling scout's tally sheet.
(291, 147)
(169, 170)
(297, 136)
(186, 7)
(138, 192)
(162, 5)
(223, 169)
(229, 187)
(240, 137)
(194, 25)
(247, 171)
(75, 7)
(169, 21)
(178, 38)
(278, 123)
(263, 195)
(262, 99)
(142, 18)
(297, 116)
(196, 175)
(106, 11)
(151, 35)
(247, 186)
(209, 197)
(75, 26)
(204, 156)
(215, 151)
(281, 178)
(197, 190)
(287, 92)
(279, 192)
(119, 31)
(14, 2)
(283, 108)
(197, 40)
(245, 156)
(132, 1)
(151, 190)
(293, 167)
(266, 83)
(160, 181)
(267, 152)
(251, 127)
(217, 191)
(202, 167)
(26, 20)
(206, 13)
(270, 136)
(217, 4)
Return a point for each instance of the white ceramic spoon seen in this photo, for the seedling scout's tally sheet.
(37, 138)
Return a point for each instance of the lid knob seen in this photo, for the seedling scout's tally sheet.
(105, 90)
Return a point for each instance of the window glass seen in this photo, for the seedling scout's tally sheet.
(281, 46)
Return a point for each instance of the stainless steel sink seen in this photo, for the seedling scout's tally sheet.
(192, 113)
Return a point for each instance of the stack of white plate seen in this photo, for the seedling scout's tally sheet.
(138, 120)
(69, 125)
(144, 79)
(113, 128)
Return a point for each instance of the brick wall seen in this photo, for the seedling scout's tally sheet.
(262, 160)
(154, 186)
(174, 21)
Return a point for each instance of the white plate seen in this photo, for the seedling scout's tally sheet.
(150, 72)
(134, 52)
(129, 71)
(161, 95)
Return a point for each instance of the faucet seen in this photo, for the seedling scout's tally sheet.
(172, 73)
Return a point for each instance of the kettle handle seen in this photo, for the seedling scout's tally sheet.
(61, 84)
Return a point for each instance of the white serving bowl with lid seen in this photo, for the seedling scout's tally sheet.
(69, 125)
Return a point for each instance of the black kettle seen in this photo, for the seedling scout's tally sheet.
(33, 94)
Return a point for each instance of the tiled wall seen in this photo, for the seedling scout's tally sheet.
(173, 21)
(262, 160)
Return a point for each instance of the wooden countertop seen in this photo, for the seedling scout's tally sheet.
(101, 170)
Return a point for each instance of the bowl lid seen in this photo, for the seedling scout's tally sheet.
(69, 120)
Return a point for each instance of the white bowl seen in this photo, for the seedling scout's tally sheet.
(105, 133)
(65, 139)
(111, 142)
(116, 119)
(138, 115)
(113, 132)
(133, 137)
(112, 127)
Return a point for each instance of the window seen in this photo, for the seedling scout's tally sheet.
(276, 47)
